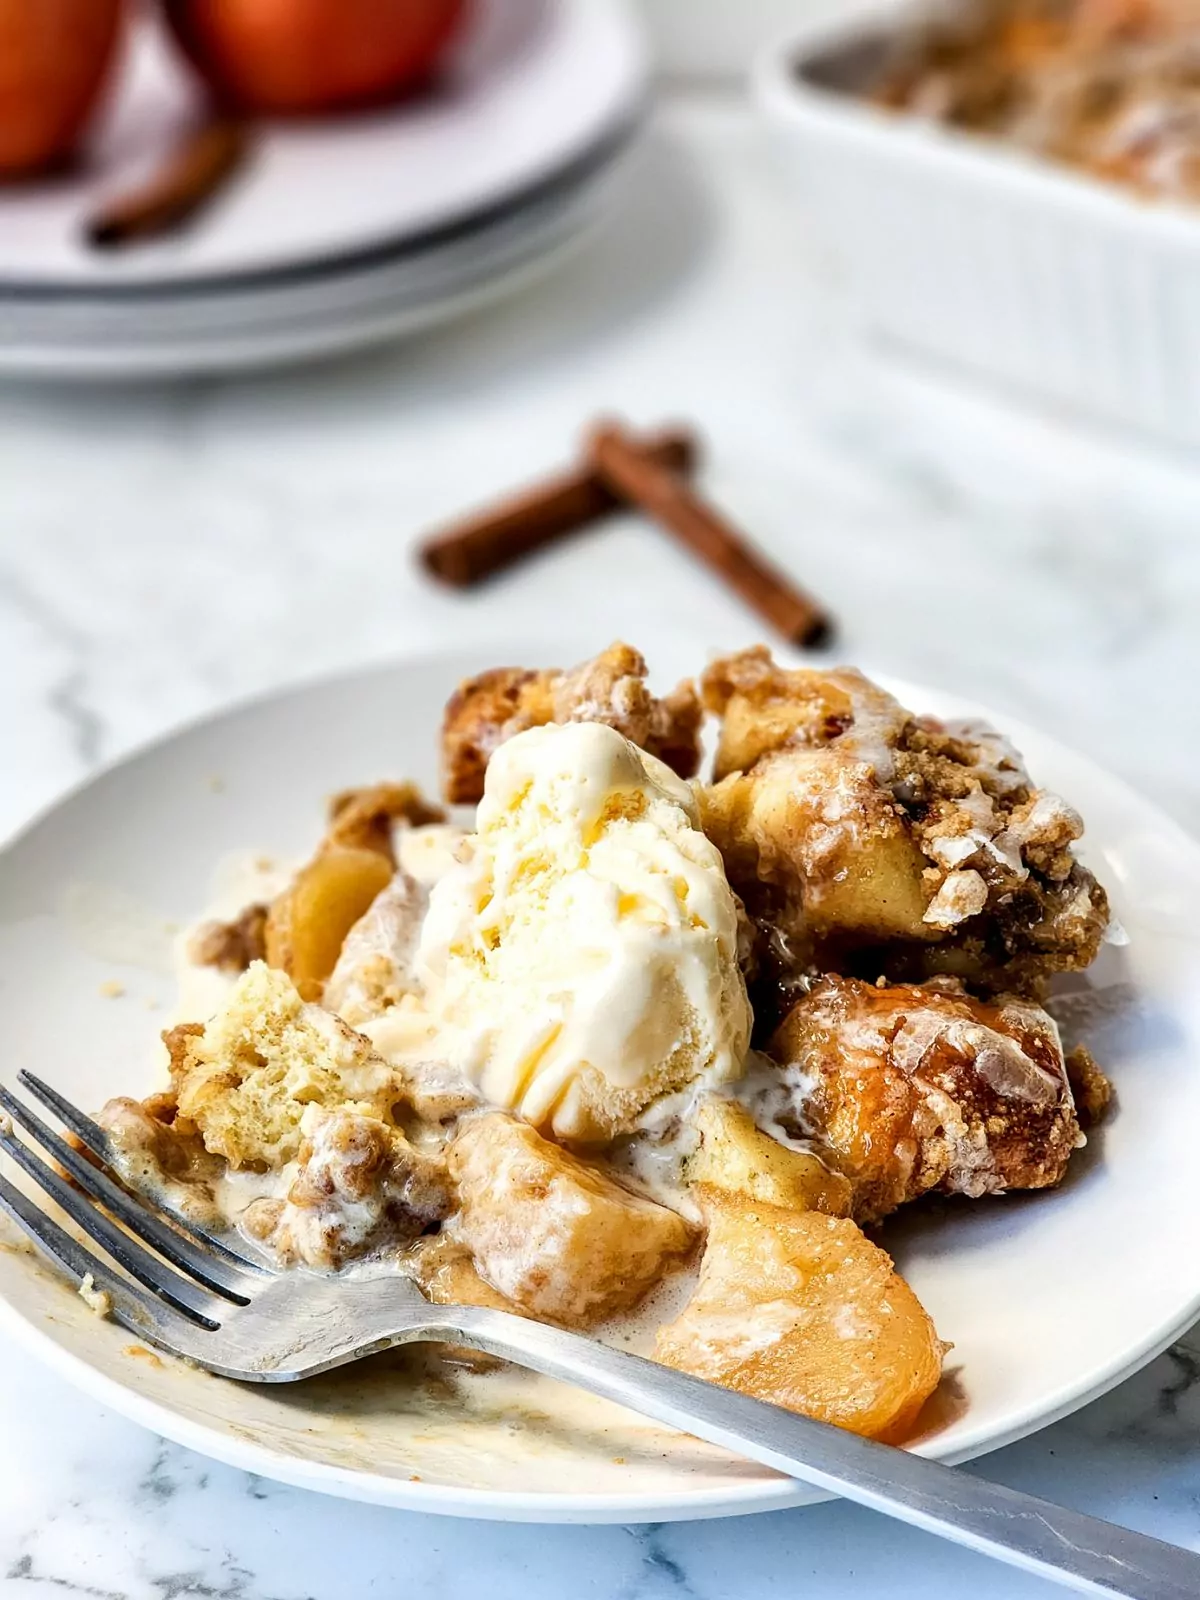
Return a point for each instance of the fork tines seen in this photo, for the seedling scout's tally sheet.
(187, 1268)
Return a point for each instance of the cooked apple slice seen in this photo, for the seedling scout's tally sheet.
(737, 1157)
(554, 1234)
(307, 925)
(804, 1311)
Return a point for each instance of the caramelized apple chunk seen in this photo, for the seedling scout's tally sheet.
(804, 1311)
(764, 708)
(307, 924)
(918, 1088)
(301, 931)
(737, 1158)
(443, 1269)
(554, 1234)
(860, 835)
(819, 851)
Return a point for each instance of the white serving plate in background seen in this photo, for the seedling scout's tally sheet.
(274, 322)
(533, 87)
(1049, 1299)
(1066, 287)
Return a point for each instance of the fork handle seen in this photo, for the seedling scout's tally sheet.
(1078, 1551)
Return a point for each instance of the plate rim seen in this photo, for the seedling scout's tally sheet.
(388, 317)
(527, 214)
(754, 1496)
(389, 250)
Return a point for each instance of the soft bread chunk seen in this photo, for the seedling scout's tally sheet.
(611, 689)
(551, 1233)
(917, 1088)
(804, 1311)
(856, 832)
(736, 1157)
(245, 1079)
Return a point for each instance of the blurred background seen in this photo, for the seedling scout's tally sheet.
(287, 285)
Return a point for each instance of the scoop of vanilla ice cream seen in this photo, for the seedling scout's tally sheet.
(581, 956)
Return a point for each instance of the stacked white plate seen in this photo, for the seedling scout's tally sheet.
(337, 233)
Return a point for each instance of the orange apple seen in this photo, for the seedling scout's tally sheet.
(302, 56)
(54, 57)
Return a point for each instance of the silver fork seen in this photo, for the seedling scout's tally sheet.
(204, 1297)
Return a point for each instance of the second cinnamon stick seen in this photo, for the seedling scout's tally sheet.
(665, 496)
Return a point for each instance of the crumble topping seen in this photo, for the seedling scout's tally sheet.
(233, 945)
(847, 823)
(358, 1182)
(487, 710)
(96, 1300)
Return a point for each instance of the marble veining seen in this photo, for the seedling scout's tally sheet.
(163, 549)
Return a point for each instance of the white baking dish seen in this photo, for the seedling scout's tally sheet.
(1015, 267)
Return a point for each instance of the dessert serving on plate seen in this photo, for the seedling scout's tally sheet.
(642, 1052)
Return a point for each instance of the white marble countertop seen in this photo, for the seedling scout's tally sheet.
(165, 549)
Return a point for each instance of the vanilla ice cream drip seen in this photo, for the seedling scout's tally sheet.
(581, 956)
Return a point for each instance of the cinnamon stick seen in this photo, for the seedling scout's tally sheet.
(629, 471)
(491, 540)
(191, 177)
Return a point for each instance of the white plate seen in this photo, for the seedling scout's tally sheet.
(535, 85)
(1049, 1299)
(278, 321)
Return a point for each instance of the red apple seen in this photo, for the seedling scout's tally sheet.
(54, 57)
(298, 56)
